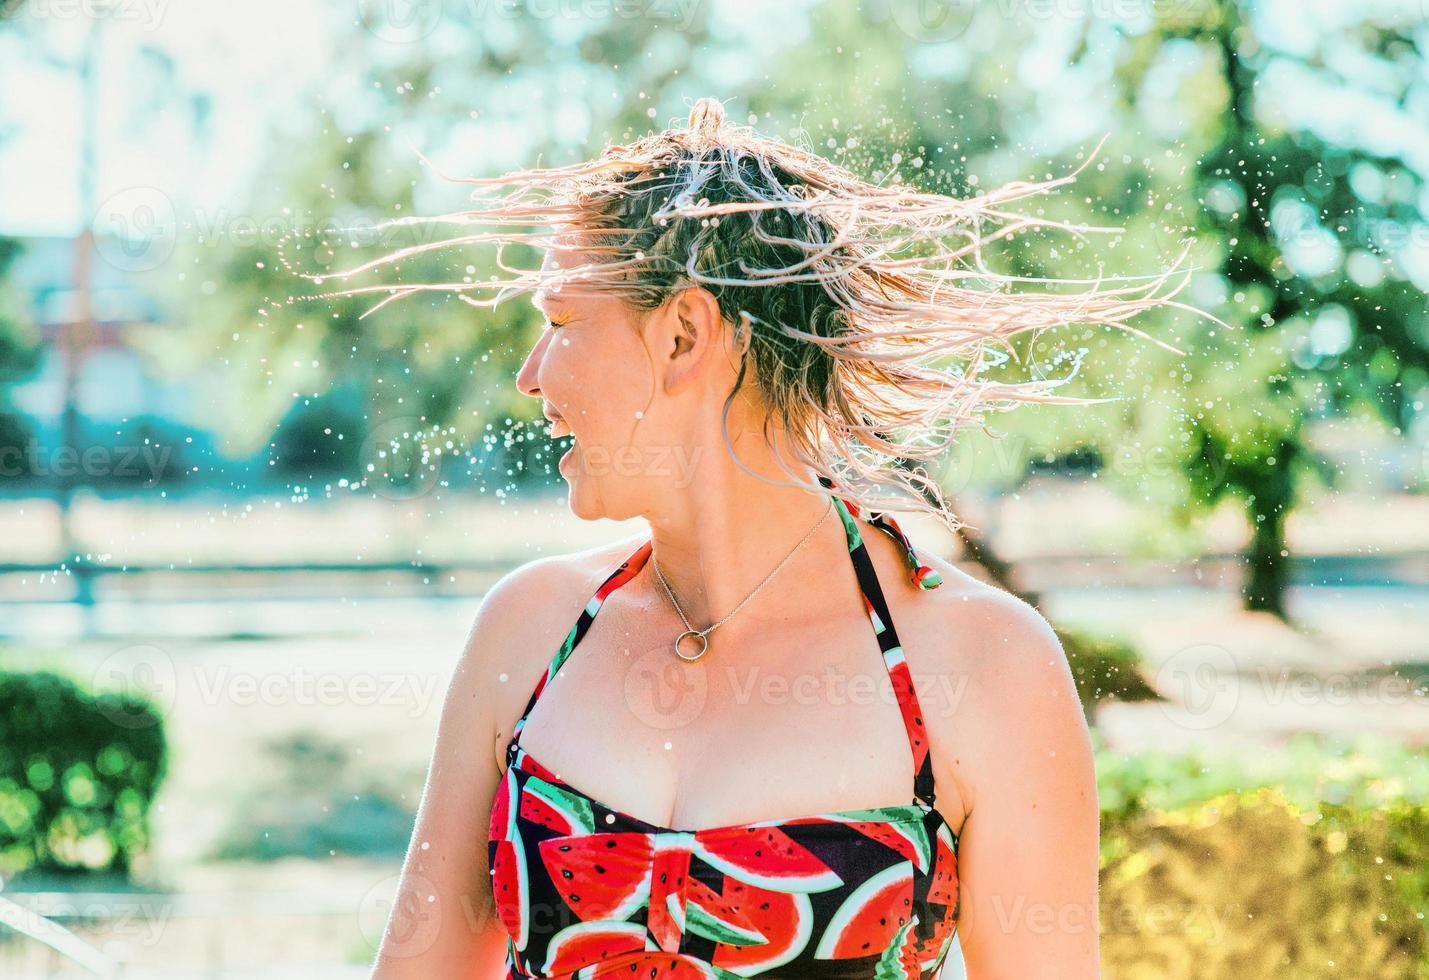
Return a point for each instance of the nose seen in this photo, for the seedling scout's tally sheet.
(526, 377)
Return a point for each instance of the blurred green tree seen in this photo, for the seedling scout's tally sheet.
(1306, 233)
(19, 359)
(1312, 228)
(434, 375)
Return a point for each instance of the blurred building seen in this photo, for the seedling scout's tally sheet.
(119, 398)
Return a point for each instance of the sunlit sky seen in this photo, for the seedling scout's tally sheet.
(255, 65)
(249, 59)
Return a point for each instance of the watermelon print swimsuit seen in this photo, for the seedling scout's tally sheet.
(586, 891)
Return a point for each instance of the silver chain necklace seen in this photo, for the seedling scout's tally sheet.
(703, 635)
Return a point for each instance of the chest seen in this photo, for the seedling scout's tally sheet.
(790, 717)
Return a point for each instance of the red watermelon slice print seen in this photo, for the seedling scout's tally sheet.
(871, 916)
(600, 876)
(556, 807)
(510, 889)
(945, 877)
(900, 960)
(510, 882)
(661, 966)
(785, 919)
(907, 702)
(665, 919)
(587, 943)
(713, 916)
(500, 825)
(766, 856)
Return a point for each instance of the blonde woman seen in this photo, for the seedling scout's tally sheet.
(772, 737)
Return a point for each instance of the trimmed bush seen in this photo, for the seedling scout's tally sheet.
(77, 775)
(1251, 885)
(1104, 669)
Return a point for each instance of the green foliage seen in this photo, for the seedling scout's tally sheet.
(1306, 862)
(1104, 668)
(430, 366)
(1368, 773)
(1249, 884)
(1302, 239)
(78, 772)
(19, 353)
(336, 393)
(320, 436)
(1312, 264)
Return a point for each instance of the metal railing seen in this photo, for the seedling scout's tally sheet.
(150, 935)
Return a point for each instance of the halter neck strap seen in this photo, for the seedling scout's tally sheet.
(924, 576)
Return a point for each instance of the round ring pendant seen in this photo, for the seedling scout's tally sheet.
(704, 645)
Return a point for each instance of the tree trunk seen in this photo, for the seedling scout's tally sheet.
(1267, 564)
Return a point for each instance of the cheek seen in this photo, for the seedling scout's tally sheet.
(598, 388)
(564, 371)
(612, 398)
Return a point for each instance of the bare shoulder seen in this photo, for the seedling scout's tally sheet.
(521, 622)
(968, 628)
(993, 681)
(534, 593)
(990, 634)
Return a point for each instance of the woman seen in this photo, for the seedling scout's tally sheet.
(772, 737)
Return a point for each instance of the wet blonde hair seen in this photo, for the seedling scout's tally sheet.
(862, 314)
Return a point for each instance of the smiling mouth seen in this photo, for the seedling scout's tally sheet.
(558, 428)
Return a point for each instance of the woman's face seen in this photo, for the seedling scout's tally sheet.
(594, 375)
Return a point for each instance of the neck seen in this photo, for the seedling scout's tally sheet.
(717, 541)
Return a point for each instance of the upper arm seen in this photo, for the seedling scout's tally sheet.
(443, 923)
(1028, 851)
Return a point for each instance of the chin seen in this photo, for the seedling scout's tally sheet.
(595, 497)
(580, 496)
(586, 510)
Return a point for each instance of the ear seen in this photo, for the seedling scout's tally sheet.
(696, 331)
